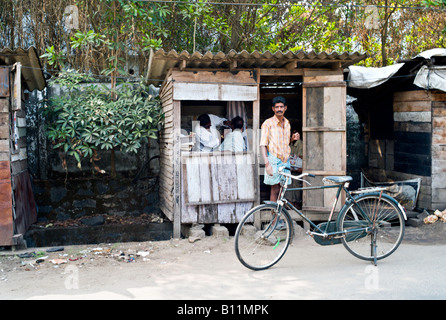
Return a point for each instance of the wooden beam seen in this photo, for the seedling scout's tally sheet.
(183, 64)
(233, 65)
(291, 65)
(256, 127)
(281, 72)
(216, 92)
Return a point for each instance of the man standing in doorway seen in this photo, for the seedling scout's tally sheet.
(275, 145)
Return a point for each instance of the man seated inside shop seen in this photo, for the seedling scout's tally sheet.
(296, 152)
(207, 137)
(234, 140)
(296, 168)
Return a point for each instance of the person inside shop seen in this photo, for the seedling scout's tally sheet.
(207, 136)
(296, 156)
(296, 152)
(234, 140)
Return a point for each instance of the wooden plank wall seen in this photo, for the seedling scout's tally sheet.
(412, 141)
(420, 144)
(6, 218)
(24, 203)
(17, 202)
(438, 150)
(217, 187)
(412, 131)
(167, 151)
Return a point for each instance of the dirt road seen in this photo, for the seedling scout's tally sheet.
(208, 269)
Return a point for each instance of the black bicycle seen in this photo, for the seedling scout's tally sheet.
(370, 224)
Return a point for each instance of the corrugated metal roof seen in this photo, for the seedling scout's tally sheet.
(32, 73)
(161, 61)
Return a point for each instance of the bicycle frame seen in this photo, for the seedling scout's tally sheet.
(323, 233)
(370, 224)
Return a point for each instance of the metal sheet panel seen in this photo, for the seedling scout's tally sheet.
(161, 61)
(6, 220)
(25, 206)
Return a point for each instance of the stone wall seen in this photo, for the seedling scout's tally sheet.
(79, 198)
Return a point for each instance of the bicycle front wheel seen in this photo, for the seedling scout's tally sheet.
(263, 236)
(373, 225)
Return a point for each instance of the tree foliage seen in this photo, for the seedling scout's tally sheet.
(86, 118)
(114, 36)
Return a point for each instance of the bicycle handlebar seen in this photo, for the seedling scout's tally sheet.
(299, 177)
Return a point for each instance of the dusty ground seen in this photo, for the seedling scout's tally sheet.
(87, 269)
(90, 268)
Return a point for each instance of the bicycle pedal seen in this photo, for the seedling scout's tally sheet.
(309, 233)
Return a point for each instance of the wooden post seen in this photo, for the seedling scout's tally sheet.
(256, 137)
(177, 169)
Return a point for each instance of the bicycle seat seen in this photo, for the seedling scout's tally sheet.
(338, 179)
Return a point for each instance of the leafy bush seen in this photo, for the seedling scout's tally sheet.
(88, 117)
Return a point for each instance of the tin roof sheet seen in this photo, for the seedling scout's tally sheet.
(161, 61)
(32, 73)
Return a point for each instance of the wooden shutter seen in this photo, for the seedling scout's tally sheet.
(324, 138)
(217, 187)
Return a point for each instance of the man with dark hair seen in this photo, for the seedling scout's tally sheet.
(237, 123)
(275, 145)
(205, 121)
(205, 140)
(234, 140)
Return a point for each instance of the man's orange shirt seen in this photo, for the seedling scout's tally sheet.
(276, 137)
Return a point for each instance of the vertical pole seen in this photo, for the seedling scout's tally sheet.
(176, 169)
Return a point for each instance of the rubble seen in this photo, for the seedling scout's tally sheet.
(58, 256)
(99, 219)
(58, 261)
(219, 231)
(437, 216)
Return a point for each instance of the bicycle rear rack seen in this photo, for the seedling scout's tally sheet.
(368, 189)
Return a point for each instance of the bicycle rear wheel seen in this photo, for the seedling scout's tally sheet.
(262, 237)
(372, 241)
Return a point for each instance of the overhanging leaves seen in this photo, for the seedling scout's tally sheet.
(85, 118)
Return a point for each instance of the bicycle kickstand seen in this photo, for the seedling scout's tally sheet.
(373, 246)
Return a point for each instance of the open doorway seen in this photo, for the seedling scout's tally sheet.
(290, 88)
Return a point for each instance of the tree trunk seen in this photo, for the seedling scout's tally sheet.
(384, 37)
(236, 26)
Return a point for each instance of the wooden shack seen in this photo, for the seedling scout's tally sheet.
(219, 187)
(20, 71)
(405, 131)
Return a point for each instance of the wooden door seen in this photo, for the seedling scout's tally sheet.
(324, 137)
